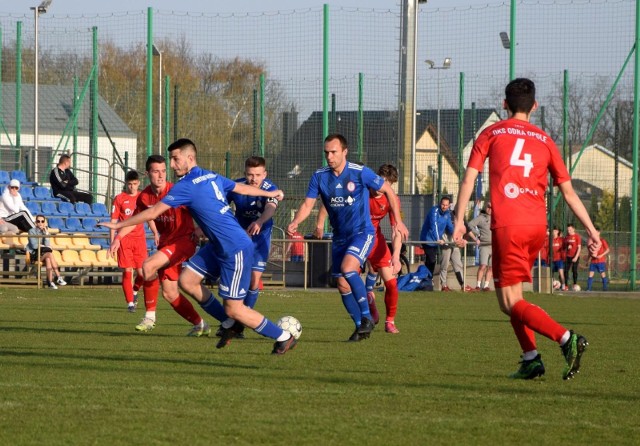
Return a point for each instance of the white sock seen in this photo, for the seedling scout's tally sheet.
(478, 285)
(150, 315)
(565, 337)
(228, 323)
(284, 336)
(528, 356)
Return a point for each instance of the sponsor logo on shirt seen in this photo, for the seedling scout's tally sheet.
(339, 186)
(512, 190)
(341, 201)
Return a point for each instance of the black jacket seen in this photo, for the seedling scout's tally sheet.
(62, 180)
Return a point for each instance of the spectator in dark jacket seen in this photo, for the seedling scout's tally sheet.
(63, 183)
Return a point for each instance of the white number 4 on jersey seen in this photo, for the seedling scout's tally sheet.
(525, 161)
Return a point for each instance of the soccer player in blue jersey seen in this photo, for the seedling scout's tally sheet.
(228, 254)
(255, 215)
(343, 188)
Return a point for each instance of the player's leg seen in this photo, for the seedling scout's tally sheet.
(456, 261)
(356, 254)
(390, 299)
(378, 257)
(261, 248)
(592, 270)
(150, 287)
(430, 255)
(444, 266)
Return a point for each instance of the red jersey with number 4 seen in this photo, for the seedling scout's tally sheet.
(172, 224)
(123, 207)
(379, 208)
(520, 155)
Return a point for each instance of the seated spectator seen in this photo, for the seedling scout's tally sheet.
(13, 209)
(8, 228)
(40, 249)
(63, 183)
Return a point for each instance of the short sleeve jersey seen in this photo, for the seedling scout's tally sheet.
(571, 243)
(173, 224)
(346, 197)
(604, 246)
(520, 155)
(558, 244)
(248, 208)
(204, 193)
(124, 206)
(379, 208)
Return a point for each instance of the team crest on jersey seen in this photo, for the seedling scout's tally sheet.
(127, 212)
(351, 186)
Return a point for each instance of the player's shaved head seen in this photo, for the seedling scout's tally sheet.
(184, 145)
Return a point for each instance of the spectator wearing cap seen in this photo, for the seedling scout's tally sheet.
(63, 182)
(12, 209)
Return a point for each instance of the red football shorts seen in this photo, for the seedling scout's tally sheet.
(380, 256)
(178, 251)
(515, 249)
(132, 252)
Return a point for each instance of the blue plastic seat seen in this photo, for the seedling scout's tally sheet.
(42, 193)
(26, 192)
(66, 208)
(89, 224)
(21, 176)
(50, 209)
(4, 177)
(74, 224)
(103, 242)
(34, 207)
(83, 209)
(57, 223)
(99, 210)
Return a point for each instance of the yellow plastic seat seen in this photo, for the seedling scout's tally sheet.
(72, 258)
(61, 242)
(59, 260)
(4, 245)
(88, 256)
(104, 260)
(81, 241)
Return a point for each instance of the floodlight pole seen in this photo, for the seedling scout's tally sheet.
(157, 52)
(37, 10)
(445, 66)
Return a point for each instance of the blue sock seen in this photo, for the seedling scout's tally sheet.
(268, 329)
(605, 283)
(352, 308)
(214, 308)
(252, 298)
(359, 292)
(371, 281)
(589, 283)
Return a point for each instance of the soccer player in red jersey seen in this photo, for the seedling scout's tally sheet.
(131, 246)
(520, 157)
(174, 231)
(598, 263)
(382, 260)
(558, 256)
(572, 243)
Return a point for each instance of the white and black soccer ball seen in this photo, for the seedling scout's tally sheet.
(290, 324)
(556, 284)
(576, 287)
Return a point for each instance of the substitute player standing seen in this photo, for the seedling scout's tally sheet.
(573, 245)
(520, 157)
(343, 188)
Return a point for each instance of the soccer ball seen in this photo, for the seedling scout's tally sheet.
(576, 287)
(290, 324)
(556, 284)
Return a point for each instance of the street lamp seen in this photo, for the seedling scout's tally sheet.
(37, 10)
(156, 52)
(446, 64)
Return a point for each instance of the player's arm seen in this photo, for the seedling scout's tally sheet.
(396, 248)
(575, 204)
(148, 214)
(245, 189)
(464, 194)
(395, 210)
(318, 232)
(256, 226)
(303, 212)
(154, 230)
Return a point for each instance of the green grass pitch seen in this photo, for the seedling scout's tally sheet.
(74, 372)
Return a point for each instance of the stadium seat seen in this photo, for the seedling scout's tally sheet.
(49, 209)
(89, 224)
(13, 242)
(4, 177)
(89, 257)
(83, 209)
(34, 207)
(103, 257)
(74, 224)
(60, 242)
(26, 192)
(42, 193)
(20, 176)
(72, 258)
(56, 223)
(99, 210)
(102, 242)
(67, 209)
(81, 241)
(4, 245)
(58, 256)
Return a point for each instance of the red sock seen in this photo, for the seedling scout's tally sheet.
(150, 288)
(126, 286)
(391, 298)
(526, 336)
(183, 307)
(537, 320)
(137, 284)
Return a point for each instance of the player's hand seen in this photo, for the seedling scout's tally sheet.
(396, 265)
(278, 195)
(198, 235)
(458, 234)
(254, 228)
(292, 228)
(113, 249)
(403, 231)
(107, 224)
(318, 233)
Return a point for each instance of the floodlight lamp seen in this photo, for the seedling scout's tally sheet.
(447, 63)
(506, 43)
(430, 63)
(155, 50)
(43, 6)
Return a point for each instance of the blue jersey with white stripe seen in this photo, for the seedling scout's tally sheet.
(346, 197)
(249, 209)
(204, 193)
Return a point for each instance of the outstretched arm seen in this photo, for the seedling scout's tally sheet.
(574, 202)
(302, 214)
(464, 194)
(395, 209)
(146, 215)
(245, 189)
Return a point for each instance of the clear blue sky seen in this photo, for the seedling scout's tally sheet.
(64, 7)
